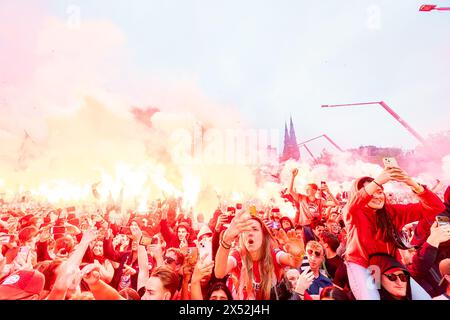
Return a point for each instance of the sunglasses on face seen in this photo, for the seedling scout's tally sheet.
(393, 277)
(316, 253)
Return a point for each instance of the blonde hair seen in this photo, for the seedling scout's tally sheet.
(266, 268)
(314, 245)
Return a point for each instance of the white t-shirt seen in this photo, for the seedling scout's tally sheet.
(442, 297)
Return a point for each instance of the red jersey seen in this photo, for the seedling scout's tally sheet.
(275, 253)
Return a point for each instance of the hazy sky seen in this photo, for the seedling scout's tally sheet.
(271, 59)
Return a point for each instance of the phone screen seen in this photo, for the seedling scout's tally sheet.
(192, 255)
(5, 239)
(145, 241)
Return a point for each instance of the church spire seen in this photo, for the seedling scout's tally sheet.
(294, 152)
(285, 154)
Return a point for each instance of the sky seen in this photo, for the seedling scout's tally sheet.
(266, 60)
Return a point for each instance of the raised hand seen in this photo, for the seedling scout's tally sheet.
(91, 274)
(438, 234)
(304, 281)
(388, 174)
(294, 172)
(45, 234)
(294, 245)
(203, 268)
(90, 235)
(221, 220)
(136, 232)
(240, 223)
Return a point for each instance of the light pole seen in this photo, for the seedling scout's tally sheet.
(322, 136)
(309, 151)
(430, 7)
(388, 109)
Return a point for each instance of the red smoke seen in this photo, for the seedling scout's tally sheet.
(144, 115)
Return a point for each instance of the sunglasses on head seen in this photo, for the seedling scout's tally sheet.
(316, 253)
(169, 260)
(393, 277)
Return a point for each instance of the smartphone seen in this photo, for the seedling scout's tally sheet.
(192, 255)
(145, 241)
(5, 238)
(58, 230)
(442, 220)
(390, 162)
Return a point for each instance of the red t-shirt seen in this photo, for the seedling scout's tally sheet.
(362, 240)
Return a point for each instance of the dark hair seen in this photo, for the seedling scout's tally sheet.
(218, 285)
(317, 223)
(331, 240)
(334, 293)
(383, 221)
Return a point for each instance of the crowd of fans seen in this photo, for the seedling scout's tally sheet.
(358, 245)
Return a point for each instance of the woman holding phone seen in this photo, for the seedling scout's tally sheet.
(373, 223)
(256, 263)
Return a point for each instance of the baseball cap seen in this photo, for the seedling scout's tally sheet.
(444, 269)
(386, 263)
(21, 285)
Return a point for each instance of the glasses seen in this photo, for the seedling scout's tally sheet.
(393, 277)
(316, 253)
(169, 260)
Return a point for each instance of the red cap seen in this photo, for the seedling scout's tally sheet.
(21, 285)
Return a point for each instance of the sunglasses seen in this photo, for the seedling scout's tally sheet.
(393, 277)
(316, 253)
(169, 260)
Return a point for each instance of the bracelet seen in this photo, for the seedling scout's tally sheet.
(223, 243)
(377, 183)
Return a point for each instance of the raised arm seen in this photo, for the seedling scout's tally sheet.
(428, 207)
(202, 269)
(143, 274)
(291, 186)
(240, 223)
(330, 195)
(68, 270)
(100, 290)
